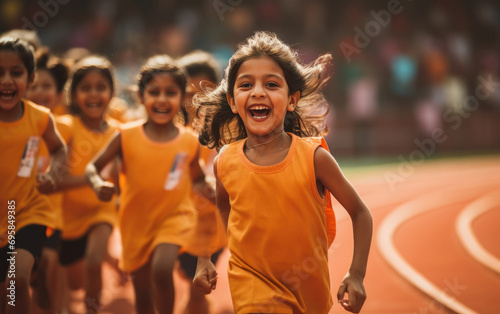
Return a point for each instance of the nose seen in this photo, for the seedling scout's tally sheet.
(258, 90)
(6, 79)
(162, 97)
(94, 92)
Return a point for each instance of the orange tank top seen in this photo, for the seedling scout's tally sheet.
(20, 141)
(277, 231)
(81, 207)
(156, 205)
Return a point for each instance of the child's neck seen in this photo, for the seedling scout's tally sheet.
(269, 152)
(97, 125)
(12, 115)
(160, 132)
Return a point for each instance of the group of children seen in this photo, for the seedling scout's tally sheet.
(242, 154)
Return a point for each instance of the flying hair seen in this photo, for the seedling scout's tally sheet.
(221, 126)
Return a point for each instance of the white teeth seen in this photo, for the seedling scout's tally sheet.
(7, 97)
(259, 108)
(93, 105)
(259, 117)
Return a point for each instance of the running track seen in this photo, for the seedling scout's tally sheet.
(435, 247)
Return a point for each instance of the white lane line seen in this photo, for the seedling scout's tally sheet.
(404, 213)
(466, 234)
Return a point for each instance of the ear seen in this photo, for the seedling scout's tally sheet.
(230, 101)
(293, 99)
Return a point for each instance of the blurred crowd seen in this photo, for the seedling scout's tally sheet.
(415, 65)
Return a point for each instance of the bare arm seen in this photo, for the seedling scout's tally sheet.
(221, 197)
(328, 173)
(70, 181)
(200, 185)
(103, 189)
(48, 182)
(206, 277)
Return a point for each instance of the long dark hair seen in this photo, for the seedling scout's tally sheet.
(222, 126)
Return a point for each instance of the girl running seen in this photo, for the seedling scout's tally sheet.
(274, 182)
(87, 221)
(160, 168)
(28, 213)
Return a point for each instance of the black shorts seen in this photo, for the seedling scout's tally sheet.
(188, 262)
(30, 238)
(71, 251)
(54, 241)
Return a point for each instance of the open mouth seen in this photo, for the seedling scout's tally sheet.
(161, 110)
(259, 112)
(8, 94)
(93, 105)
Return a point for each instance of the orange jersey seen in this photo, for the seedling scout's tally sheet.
(156, 205)
(20, 141)
(277, 232)
(63, 125)
(81, 207)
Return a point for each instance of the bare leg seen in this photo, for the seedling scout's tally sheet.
(41, 296)
(197, 303)
(75, 275)
(143, 290)
(55, 282)
(162, 266)
(97, 244)
(24, 262)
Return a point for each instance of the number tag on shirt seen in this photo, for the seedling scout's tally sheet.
(175, 173)
(29, 156)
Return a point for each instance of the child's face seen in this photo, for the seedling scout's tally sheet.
(92, 95)
(43, 91)
(14, 79)
(261, 96)
(162, 98)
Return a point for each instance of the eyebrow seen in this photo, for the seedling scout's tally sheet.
(271, 75)
(14, 67)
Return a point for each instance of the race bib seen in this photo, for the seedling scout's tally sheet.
(29, 157)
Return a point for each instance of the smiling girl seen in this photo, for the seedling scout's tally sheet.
(87, 221)
(22, 125)
(273, 184)
(160, 168)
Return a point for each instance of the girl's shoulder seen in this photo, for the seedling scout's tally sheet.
(232, 147)
(113, 123)
(189, 136)
(65, 119)
(36, 115)
(64, 124)
(312, 142)
(131, 125)
(230, 150)
(34, 108)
